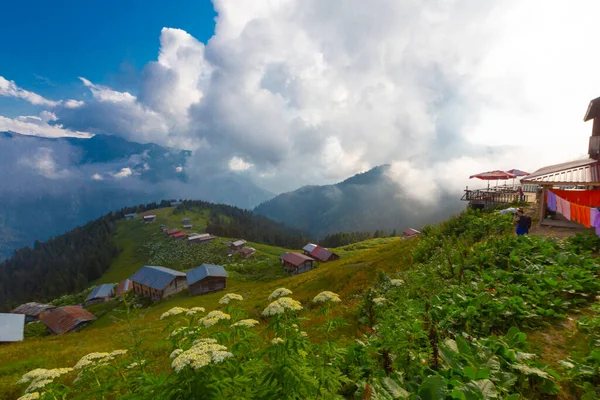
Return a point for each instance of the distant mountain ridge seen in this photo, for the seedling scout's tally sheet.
(51, 185)
(367, 201)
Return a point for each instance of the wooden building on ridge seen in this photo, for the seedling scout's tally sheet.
(206, 278)
(157, 283)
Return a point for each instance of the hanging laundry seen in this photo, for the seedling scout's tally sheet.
(590, 198)
(563, 207)
(580, 214)
(551, 201)
(593, 215)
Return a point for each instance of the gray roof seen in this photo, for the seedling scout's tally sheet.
(201, 272)
(309, 247)
(239, 243)
(11, 327)
(33, 309)
(579, 171)
(105, 290)
(155, 277)
(131, 215)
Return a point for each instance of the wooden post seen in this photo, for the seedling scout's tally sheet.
(542, 210)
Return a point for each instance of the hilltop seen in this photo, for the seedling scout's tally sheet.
(465, 311)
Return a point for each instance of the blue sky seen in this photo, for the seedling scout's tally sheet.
(46, 45)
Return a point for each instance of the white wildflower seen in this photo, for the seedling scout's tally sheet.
(230, 296)
(41, 377)
(175, 353)
(327, 296)
(118, 352)
(277, 340)
(97, 358)
(304, 334)
(173, 311)
(280, 293)
(205, 340)
(30, 396)
(195, 310)
(213, 317)
(282, 304)
(38, 384)
(379, 300)
(249, 323)
(133, 365)
(200, 355)
(32, 375)
(397, 282)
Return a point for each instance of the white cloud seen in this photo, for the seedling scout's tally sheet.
(309, 92)
(238, 164)
(38, 126)
(123, 173)
(43, 163)
(97, 177)
(10, 89)
(73, 103)
(179, 169)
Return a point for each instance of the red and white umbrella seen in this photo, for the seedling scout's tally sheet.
(493, 176)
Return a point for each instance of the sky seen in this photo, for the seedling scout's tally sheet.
(296, 92)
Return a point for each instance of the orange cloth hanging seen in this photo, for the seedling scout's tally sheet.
(580, 214)
(589, 198)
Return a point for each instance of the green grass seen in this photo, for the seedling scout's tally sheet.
(348, 276)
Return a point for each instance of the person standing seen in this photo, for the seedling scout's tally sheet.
(521, 194)
(523, 222)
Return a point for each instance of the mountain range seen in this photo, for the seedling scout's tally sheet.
(366, 202)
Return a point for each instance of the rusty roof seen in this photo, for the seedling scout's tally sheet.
(179, 234)
(33, 309)
(247, 250)
(321, 254)
(411, 232)
(173, 231)
(296, 259)
(65, 319)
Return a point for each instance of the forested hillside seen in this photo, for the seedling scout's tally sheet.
(69, 263)
(365, 202)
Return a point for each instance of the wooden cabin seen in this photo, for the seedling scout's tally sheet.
(247, 252)
(149, 218)
(321, 254)
(196, 238)
(157, 283)
(100, 294)
(172, 231)
(206, 278)
(179, 235)
(130, 216)
(308, 248)
(410, 232)
(67, 319)
(296, 263)
(33, 311)
(123, 287)
(237, 246)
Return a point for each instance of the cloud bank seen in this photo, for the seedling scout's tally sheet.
(294, 92)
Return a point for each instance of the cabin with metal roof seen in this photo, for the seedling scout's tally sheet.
(100, 294)
(236, 246)
(67, 319)
(322, 254)
(149, 218)
(196, 238)
(123, 287)
(409, 233)
(247, 252)
(173, 231)
(577, 174)
(157, 283)
(188, 226)
(11, 327)
(296, 263)
(179, 235)
(131, 216)
(206, 278)
(308, 248)
(32, 311)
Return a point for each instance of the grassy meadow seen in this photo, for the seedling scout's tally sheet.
(254, 278)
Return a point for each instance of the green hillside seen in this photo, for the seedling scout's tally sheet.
(466, 311)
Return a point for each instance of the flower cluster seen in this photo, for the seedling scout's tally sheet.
(282, 304)
(173, 311)
(397, 282)
(200, 355)
(230, 296)
(97, 358)
(277, 340)
(379, 300)
(195, 310)
(205, 340)
(213, 317)
(280, 293)
(30, 396)
(249, 323)
(136, 364)
(327, 296)
(41, 377)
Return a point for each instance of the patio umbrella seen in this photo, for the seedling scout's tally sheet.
(516, 173)
(493, 176)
